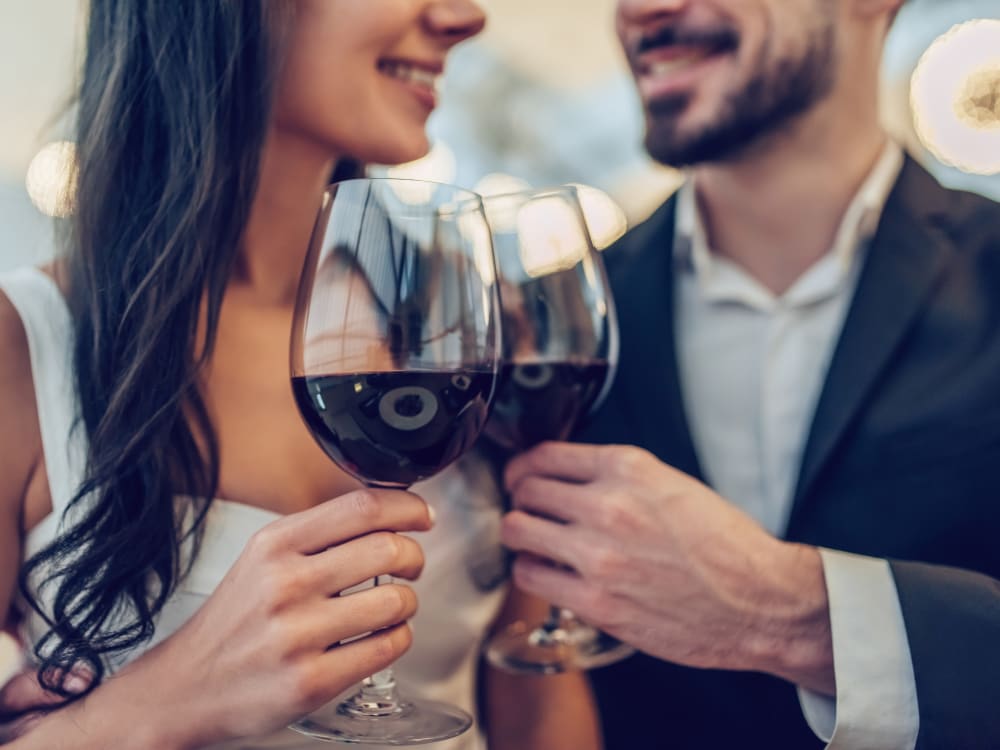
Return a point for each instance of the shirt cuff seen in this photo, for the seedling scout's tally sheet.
(876, 703)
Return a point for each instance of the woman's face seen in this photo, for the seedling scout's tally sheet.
(360, 76)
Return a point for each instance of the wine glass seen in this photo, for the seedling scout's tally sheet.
(560, 342)
(394, 355)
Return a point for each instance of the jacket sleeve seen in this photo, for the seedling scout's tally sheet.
(952, 620)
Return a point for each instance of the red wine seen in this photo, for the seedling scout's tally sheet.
(542, 401)
(395, 428)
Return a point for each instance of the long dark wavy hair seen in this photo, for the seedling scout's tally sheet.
(173, 111)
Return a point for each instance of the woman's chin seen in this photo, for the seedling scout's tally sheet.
(401, 152)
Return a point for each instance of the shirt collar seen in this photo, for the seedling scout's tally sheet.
(723, 281)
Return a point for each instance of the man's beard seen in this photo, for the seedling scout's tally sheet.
(772, 99)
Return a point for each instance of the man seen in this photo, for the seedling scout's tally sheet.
(811, 326)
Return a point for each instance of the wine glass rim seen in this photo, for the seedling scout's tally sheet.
(533, 192)
(462, 195)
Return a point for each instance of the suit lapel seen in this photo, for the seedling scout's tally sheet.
(907, 256)
(647, 374)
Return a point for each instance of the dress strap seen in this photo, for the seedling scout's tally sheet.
(48, 326)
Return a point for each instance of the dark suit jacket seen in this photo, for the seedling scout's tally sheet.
(902, 462)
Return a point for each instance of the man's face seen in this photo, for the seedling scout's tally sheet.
(717, 77)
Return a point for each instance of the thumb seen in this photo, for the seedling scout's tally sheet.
(19, 727)
(23, 693)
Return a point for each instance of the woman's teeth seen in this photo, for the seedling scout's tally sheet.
(411, 74)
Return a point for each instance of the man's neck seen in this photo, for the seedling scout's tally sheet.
(776, 212)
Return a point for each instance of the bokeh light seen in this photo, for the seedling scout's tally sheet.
(606, 220)
(49, 180)
(955, 95)
(552, 236)
(498, 183)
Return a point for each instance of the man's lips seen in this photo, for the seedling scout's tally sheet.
(663, 49)
(671, 59)
(668, 60)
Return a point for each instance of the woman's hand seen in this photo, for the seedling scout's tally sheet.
(262, 651)
(23, 701)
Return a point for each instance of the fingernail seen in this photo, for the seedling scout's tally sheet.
(432, 514)
(76, 683)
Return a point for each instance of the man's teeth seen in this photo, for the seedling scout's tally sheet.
(666, 67)
(411, 74)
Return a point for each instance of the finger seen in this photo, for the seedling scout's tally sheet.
(10, 731)
(350, 663)
(343, 618)
(364, 558)
(24, 693)
(555, 499)
(554, 541)
(571, 462)
(11, 629)
(563, 588)
(349, 516)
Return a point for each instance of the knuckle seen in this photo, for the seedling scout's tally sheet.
(277, 586)
(626, 460)
(388, 547)
(366, 505)
(402, 639)
(265, 543)
(606, 563)
(283, 639)
(419, 563)
(412, 557)
(617, 512)
(390, 646)
(398, 602)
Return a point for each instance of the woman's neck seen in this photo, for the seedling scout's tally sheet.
(293, 174)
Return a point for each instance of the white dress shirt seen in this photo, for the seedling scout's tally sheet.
(752, 365)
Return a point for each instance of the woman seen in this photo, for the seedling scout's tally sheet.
(207, 132)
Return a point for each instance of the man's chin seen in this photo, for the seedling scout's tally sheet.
(674, 136)
(687, 140)
(667, 110)
(674, 147)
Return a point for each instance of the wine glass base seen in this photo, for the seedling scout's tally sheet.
(569, 648)
(409, 723)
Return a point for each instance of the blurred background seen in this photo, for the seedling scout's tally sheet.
(541, 98)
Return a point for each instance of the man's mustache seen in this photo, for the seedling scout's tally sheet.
(719, 40)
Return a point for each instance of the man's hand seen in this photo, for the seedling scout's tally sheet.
(661, 562)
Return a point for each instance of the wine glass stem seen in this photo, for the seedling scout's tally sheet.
(554, 619)
(378, 696)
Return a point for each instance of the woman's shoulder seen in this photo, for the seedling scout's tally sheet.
(20, 437)
(15, 361)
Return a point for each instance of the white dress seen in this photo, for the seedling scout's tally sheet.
(460, 590)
